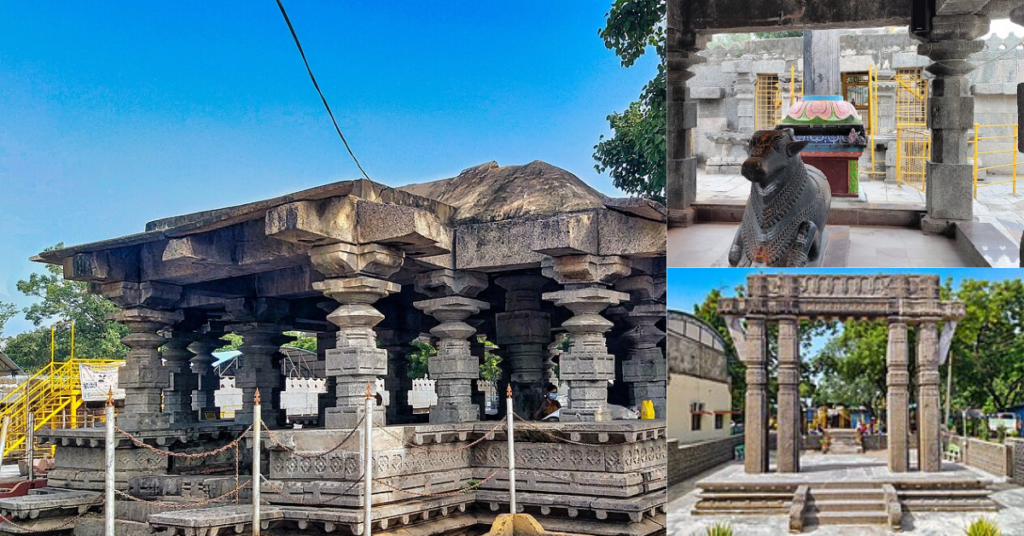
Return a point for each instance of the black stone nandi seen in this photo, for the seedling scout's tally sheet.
(784, 221)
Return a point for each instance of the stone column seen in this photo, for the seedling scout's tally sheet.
(355, 279)
(789, 420)
(886, 114)
(645, 368)
(454, 368)
(397, 383)
(755, 422)
(178, 396)
(950, 174)
(261, 369)
(144, 377)
(929, 408)
(682, 45)
(523, 331)
(821, 63)
(898, 396)
(587, 366)
(745, 87)
(207, 380)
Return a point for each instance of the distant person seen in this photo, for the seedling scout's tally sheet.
(550, 408)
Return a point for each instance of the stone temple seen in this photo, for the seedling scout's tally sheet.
(521, 254)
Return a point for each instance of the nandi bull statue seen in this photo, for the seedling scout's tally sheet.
(784, 221)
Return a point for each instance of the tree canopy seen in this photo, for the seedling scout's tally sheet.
(635, 155)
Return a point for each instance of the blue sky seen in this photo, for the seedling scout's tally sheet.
(115, 114)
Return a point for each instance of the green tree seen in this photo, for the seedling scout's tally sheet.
(708, 312)
(419, 359)
(232, 341)
(60, 300)
(302, 341)
(634, 156)
(7, 312)
(778, 35)
(728, 40)
(851, 366)
(490, 368)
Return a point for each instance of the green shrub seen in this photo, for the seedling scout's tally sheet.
(983, 527)
(719, 529)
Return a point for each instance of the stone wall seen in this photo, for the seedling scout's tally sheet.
(688, 461)
(1016, 446)
(989, 457)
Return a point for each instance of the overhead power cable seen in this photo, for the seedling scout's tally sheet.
(317, 86)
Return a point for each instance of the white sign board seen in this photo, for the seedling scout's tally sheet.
(99, 379)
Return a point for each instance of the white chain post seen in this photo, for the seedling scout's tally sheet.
(3, 437)
(257, 425)
(108, 504)
(368, 460)
(511, 452)
(30, 445)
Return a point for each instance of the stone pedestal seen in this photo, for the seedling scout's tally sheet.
(950, 179)
(260, 369)
(681, 182)
(898, 397)
(523, 331)
(454, 368)
(789, 396)
(178, 396)
(354, 280)
(207, 380)
(144, 377)
(755, 427)
(929, 416)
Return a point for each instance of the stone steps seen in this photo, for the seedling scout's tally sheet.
(847, 494)
(846, 518)
(816, 505)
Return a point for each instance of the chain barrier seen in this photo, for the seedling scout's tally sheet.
(193, 456)
(314, 455)
(65, 524)
(553, 436)
(302, 501)
(180, 506)
(447, 494)
(444, 450)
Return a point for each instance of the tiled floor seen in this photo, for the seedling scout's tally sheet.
(996, 204)
(682, 497)
(707, 245)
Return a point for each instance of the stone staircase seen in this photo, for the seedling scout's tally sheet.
(726, 499)
(966, 496)
(844, 441)
(845, 504)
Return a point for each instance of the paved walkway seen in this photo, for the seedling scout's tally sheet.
(996, 204)
(682, 497)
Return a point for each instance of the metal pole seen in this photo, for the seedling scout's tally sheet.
(511, 452)
(257, 425)
(368, 460)
(3, 437)
(30, 440)
(108, 508)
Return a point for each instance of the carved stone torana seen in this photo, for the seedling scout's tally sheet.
(355, 279)
(178, 395)
(645, 367)
(454, 368)
(784, 221)
(144, 377)
(207, 380)
(523, 332)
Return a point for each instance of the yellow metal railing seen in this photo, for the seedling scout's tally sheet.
(978, 138)
(872, 117)
(767, 102)
(913, 149)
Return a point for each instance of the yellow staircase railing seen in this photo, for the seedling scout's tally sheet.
(53, 395)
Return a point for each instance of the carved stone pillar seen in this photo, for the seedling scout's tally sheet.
(178, 395)
(755, 423)
(886, 114)
(523, 333)
(645, 368)
(587, 366)
(355, 280)
(950, 117)
(682, 45)
(898, 396)
(929, 416)
(789, 420)
(260, 369)
(397, 383)
(454, 368)
(144, 377)
(207, 380)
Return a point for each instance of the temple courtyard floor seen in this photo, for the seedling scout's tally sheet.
(818, 468)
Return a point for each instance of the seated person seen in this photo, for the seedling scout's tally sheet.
(549, 408)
